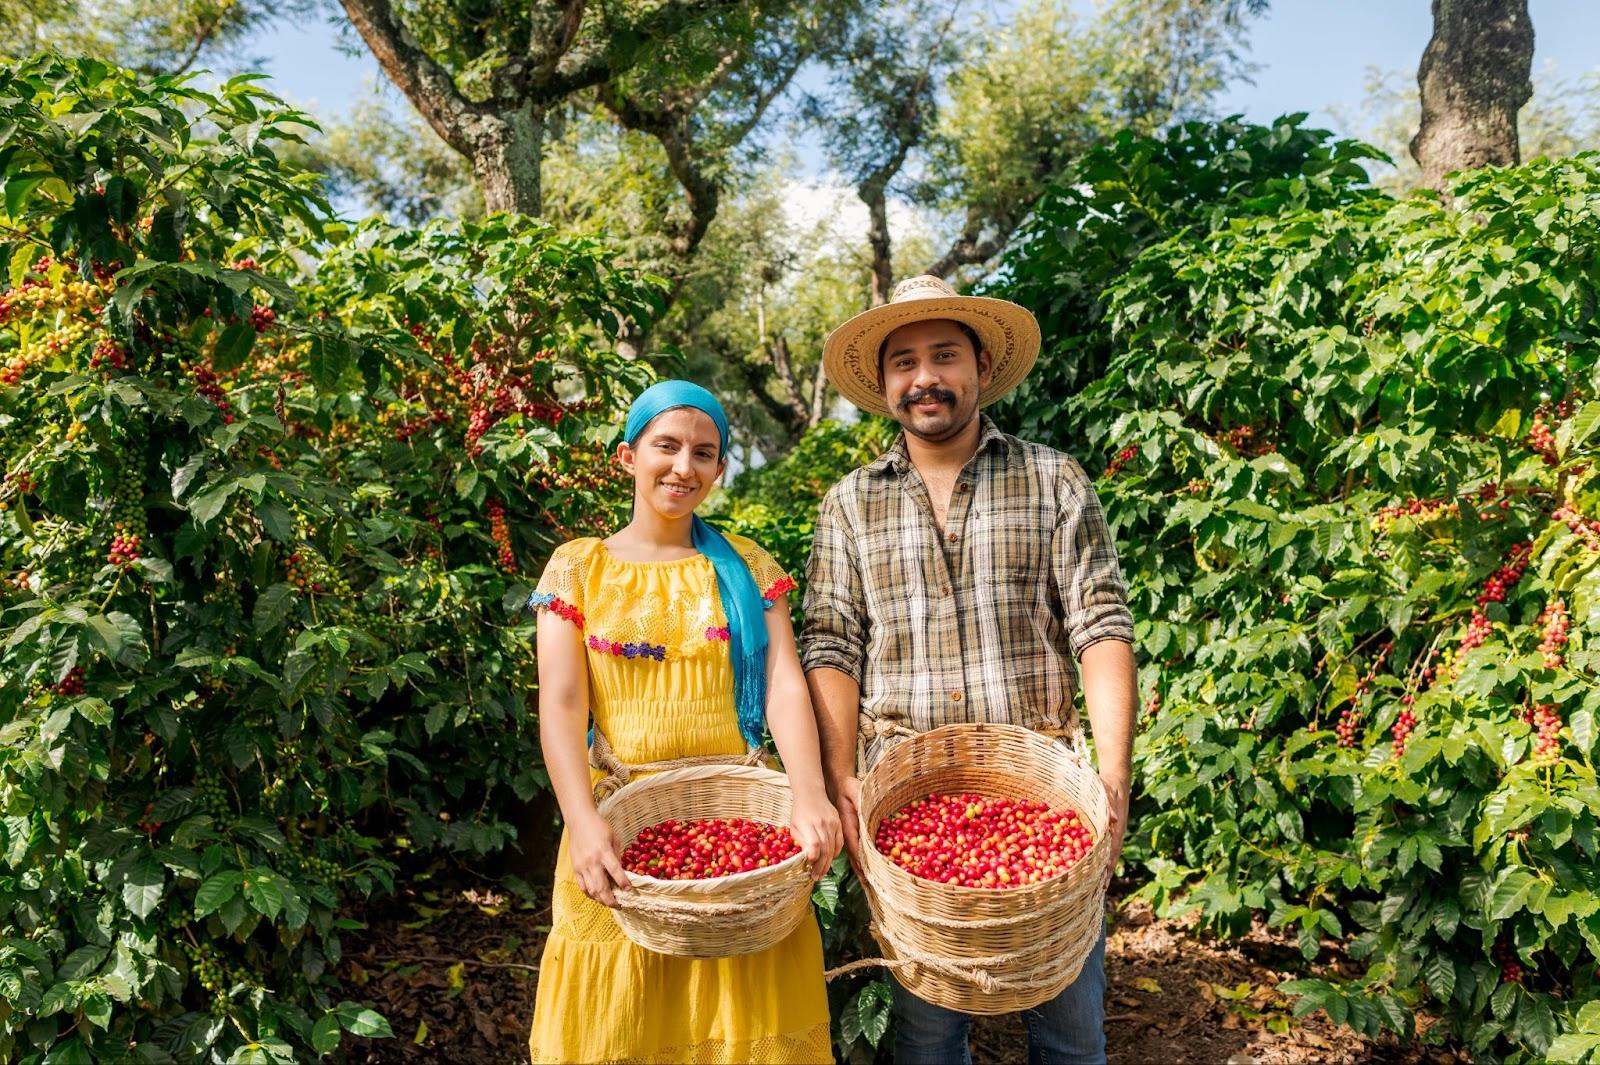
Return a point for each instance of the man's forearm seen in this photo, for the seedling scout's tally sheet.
(1110, 694)
(837, 700)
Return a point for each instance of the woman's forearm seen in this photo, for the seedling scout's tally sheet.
(794, 730)
(789, 716)
(561, 736)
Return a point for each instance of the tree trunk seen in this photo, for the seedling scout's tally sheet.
(981, 238)
(878, 241)
(758, 375)
(631, 337)
(506, 149)
(819, 395)
(874, 192)
(1476, 74)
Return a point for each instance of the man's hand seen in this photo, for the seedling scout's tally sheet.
(1117, 825)
(1110, 687)
(846, 795)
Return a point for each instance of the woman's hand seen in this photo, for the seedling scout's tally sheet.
(597, 860)
(815, 828)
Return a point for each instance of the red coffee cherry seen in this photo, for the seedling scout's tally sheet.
(695, 850)
(973, 841)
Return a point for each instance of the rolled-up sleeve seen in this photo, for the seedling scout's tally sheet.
(834, 633)
(1093, 594)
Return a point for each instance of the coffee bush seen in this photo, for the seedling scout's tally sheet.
(274, 487)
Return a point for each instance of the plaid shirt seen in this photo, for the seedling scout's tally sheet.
(979, 623)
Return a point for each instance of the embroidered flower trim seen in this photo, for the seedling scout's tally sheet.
(716, 633)
(628, 650)
(779, 588)
(542, 601)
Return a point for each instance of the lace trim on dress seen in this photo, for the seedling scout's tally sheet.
(628, 650)
(810, 1046)
(556, 606)
(779, 588)
(624, 617)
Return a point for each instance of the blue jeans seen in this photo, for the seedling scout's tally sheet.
(1067, 1030)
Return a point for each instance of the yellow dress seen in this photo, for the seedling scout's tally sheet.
(661, 687)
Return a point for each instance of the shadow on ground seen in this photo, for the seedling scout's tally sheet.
(455, 973)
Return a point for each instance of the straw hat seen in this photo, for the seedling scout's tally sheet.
(1008, 332)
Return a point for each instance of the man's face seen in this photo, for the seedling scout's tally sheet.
(932, 378)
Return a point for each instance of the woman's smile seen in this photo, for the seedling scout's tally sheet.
(674, 462)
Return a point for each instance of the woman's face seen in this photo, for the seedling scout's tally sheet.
(674, 462)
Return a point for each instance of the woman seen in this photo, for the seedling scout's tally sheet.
(675, 638)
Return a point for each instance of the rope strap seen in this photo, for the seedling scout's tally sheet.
(767, 901)
(975, 971)
(619, 773)
(1044, 975)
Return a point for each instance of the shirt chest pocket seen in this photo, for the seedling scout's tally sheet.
(1011, 544)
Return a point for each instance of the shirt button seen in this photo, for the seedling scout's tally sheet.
(955, 697)
(963, 486)
(951, 537)
(945, 590)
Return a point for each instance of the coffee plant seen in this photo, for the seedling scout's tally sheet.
(776, 504)
(1132, 193)
(1347, 445)
(273, 486)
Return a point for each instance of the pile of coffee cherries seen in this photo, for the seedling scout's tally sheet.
(979, 842)
(697, 850)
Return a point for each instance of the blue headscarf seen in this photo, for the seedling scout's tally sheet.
(741, 599)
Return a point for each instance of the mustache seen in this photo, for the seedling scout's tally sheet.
(943, 395)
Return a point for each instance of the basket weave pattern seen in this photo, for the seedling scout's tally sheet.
(717, 917)
(980, 950)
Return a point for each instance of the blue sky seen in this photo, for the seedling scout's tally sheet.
(1313, 55)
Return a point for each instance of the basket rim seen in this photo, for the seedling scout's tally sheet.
(908, 879)
(642, 785)
(663, 777)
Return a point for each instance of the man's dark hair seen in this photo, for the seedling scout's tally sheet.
(966, 330)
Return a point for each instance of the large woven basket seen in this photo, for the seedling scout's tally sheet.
(717, 917)
(981, 950)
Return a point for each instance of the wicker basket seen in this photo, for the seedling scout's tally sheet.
(983, 950)
(717, 917)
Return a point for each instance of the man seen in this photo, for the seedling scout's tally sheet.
(965, 575)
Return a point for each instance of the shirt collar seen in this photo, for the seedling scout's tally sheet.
(897, 459)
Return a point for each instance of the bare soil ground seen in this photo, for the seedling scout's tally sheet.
(455, 974)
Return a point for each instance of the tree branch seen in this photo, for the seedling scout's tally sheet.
(548, 43)
(201, 38)
(873, 192)
(674, 131)
(777, 351)
(757, 376)
(971, 246)
(775, 90)
(667, 20)
(429, 87)
(819, 392)
(907, 127)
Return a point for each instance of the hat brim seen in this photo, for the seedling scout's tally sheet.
(1008, 332)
